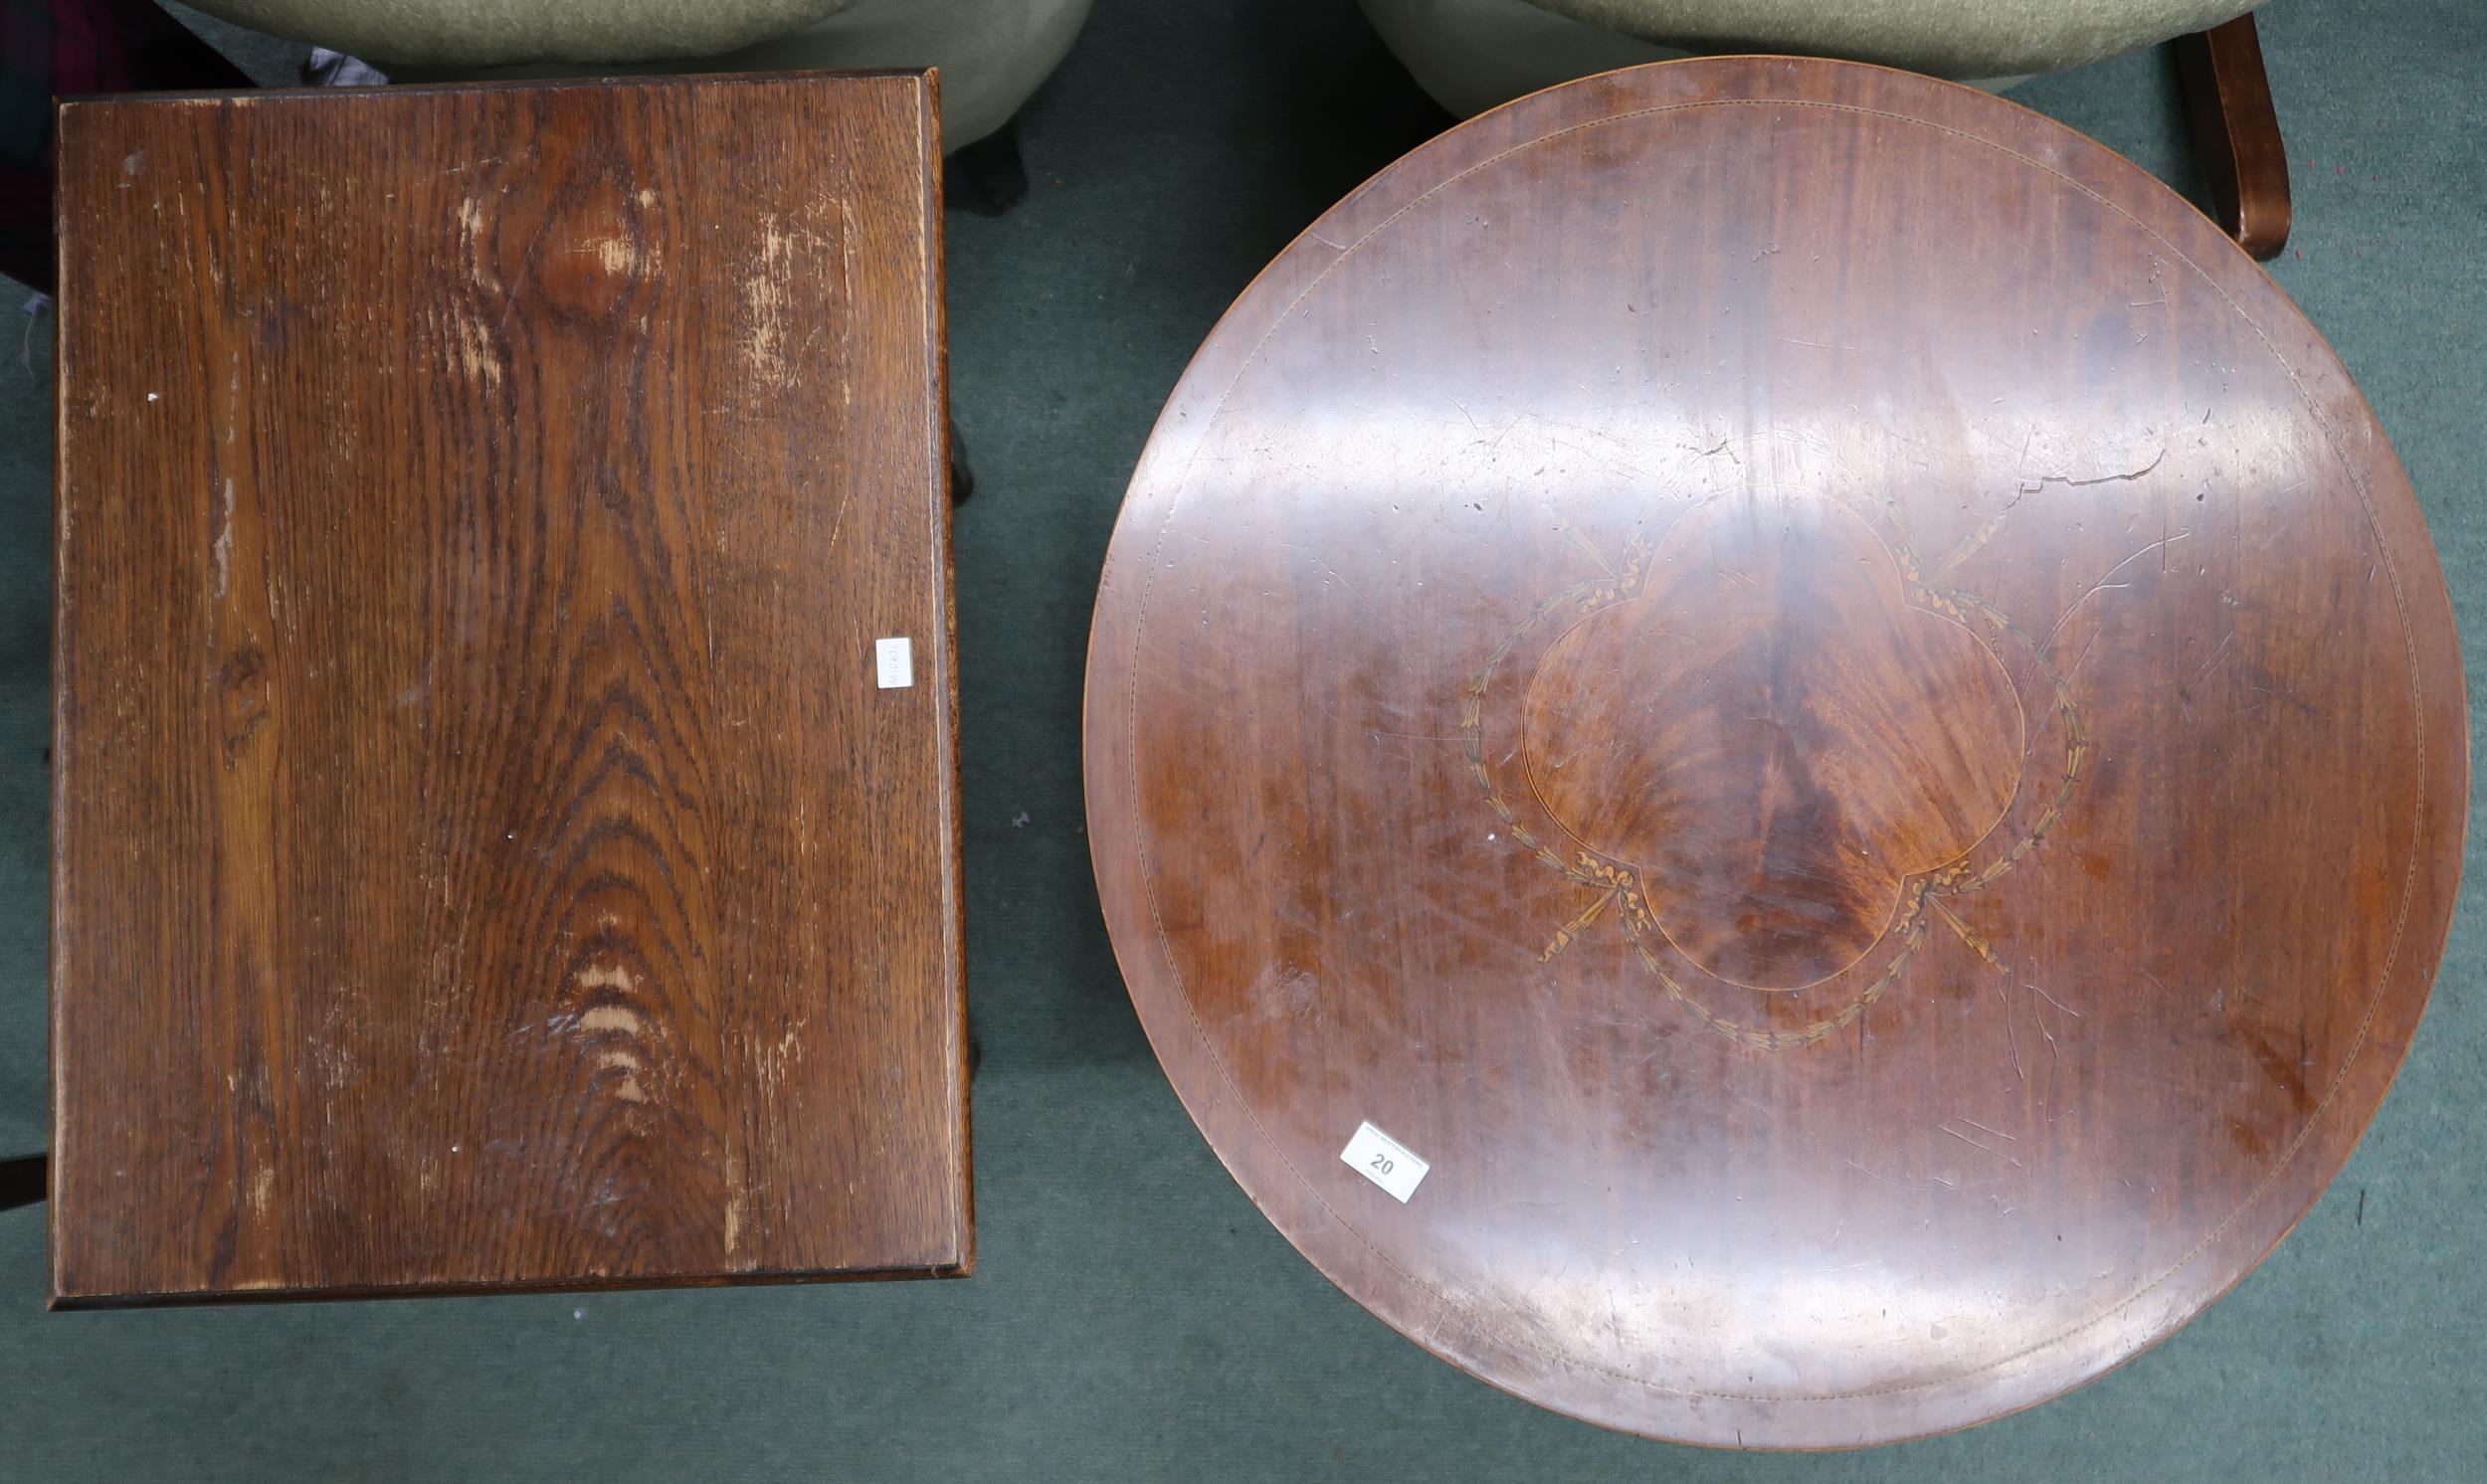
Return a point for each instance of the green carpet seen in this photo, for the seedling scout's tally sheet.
(1132, 1316)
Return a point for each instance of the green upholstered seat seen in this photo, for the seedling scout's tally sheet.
(482, 32)
(992, 52)
(1473, 54)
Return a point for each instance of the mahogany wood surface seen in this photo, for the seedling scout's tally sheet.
(2236, 132)
(483, 858)
(1820, 694)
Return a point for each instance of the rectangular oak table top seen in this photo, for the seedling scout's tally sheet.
(490, 851)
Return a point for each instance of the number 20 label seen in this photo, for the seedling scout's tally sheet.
(1385, 1161)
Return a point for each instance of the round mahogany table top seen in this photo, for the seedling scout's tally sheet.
(1825, 701)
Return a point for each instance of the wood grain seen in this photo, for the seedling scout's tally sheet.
(482, 858)
(1822, 695)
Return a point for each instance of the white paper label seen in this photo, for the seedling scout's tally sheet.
(895, 660)
(1385, 1161)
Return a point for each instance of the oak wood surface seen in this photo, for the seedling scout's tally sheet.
(1822, 696)
(482, 856)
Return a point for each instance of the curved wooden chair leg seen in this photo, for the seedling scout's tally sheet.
(2237, 131)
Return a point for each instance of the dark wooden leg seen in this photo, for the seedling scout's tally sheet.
(962, 476)
(2237, 132)
(987, 177)
(23, 1182)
